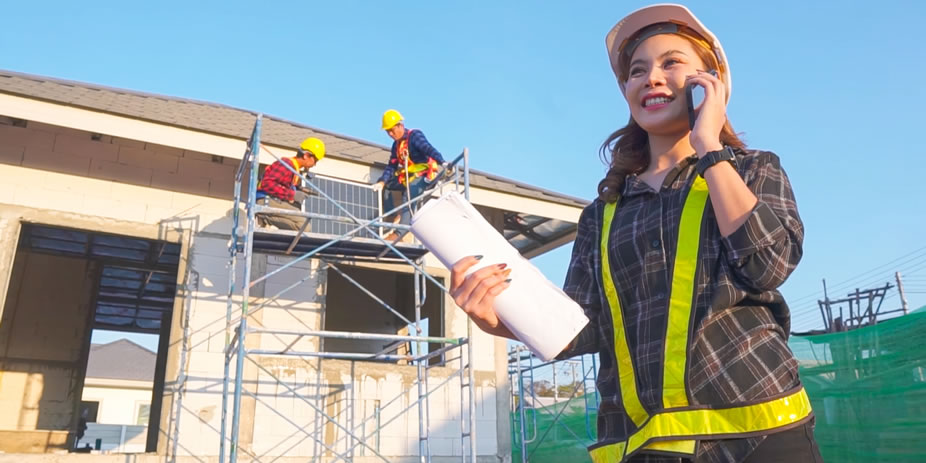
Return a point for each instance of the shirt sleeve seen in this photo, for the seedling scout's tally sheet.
(768, 246)
(582, 283)
(422, 148)
(390, 166)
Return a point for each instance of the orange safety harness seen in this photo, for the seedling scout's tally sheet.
(405, 170)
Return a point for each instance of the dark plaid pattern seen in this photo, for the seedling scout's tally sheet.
(739, 351)
(278, 181)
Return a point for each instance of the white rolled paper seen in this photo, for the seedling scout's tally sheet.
(538, 312)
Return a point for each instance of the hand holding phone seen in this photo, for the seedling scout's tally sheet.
(695, 95)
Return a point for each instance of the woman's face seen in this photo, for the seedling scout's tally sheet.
(655, 87)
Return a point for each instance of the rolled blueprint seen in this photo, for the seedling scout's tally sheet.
(538, 312)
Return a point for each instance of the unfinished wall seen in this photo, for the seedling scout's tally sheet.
(44, 331)
(68, 151)
(348, 308)
(61, 176)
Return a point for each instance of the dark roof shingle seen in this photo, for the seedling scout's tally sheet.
(122, 359)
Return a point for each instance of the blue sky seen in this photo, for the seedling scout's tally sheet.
(834, 88)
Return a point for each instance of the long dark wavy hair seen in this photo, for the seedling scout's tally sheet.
(626, 151)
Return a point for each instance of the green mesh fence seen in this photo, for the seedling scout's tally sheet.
(867, 387)
(566, 440)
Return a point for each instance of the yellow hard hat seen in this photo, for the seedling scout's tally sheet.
(390, 118)
(314, 146)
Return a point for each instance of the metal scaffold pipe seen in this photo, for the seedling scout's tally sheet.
(424, 353)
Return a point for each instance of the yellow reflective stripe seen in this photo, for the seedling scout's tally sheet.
(711, 424)
(678, 446)
(608, 454)
(415, 168)
(625, 371)
(680, 302)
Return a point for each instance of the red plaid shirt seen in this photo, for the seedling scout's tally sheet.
(278, 181)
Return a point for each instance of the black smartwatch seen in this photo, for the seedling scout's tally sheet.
(714, 157)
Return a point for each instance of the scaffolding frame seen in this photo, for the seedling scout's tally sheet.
(526, 406)
(241, 245)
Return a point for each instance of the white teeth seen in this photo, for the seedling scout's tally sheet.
(657, 100)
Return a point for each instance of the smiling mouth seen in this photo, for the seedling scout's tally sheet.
(659, 100)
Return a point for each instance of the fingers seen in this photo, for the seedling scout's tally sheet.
(712, 85)
(475, 293)
(462, 292)
(480, 306)
(458, 271)
(478, 295)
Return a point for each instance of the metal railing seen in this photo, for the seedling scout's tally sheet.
(532, 403)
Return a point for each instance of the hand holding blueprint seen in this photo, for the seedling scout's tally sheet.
(538, 312)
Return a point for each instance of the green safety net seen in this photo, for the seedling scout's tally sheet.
(867, 387)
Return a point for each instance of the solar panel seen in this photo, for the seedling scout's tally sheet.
(359, 200)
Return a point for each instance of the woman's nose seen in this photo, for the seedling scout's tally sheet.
(655, 77)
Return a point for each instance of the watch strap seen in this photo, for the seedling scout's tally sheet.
(713, 158)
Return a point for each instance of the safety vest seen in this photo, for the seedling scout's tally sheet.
(427, 169)
(677, 424)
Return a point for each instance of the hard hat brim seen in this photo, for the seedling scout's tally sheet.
(661, 13)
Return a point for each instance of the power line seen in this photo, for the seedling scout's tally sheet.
(810, 316)
(837, 292)
(918, 255)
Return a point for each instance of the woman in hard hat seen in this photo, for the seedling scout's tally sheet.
(677, 265)
(279, 187)
(413, 164)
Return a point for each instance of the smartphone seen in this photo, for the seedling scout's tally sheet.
(695, 96)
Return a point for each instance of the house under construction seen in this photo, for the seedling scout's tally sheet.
(125, 211)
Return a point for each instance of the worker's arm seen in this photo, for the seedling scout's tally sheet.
(421, 149)
(390, 166)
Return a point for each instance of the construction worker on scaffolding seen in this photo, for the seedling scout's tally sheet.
(281, 188)
(413, 165)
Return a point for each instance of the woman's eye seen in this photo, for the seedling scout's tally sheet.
(636, 72)
(670, 62)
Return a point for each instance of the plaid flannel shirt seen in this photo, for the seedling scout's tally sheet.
(419, 150)
(278, 181)
(739, 350)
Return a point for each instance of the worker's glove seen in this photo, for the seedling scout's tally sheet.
(378, 186)
(308, 191)
(446, 170)
(299, 197)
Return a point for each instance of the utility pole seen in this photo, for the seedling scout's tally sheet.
(864, 308)
(903, 297)
(574, 377)
(825, 310)
(555, 391)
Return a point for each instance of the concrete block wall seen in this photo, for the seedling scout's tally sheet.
(123, 184)
(61, 169)
(376, 402)
(68, 151)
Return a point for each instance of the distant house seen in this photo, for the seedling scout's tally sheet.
(117, 396)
